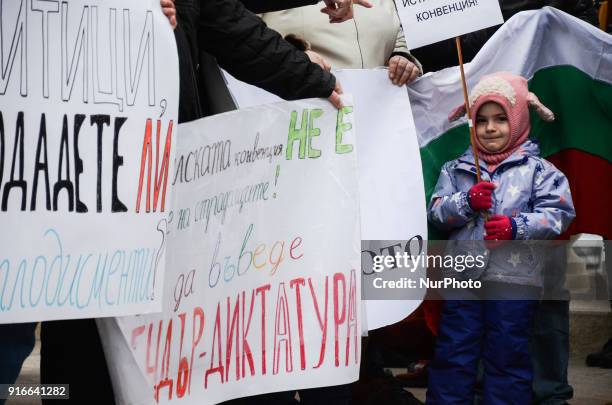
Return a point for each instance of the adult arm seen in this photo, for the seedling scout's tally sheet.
(337, 10)
(401, 49)
(403, 66)
(267, 6)
(245, 47)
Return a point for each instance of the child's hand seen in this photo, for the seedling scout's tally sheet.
(499, 227)
(479, 196)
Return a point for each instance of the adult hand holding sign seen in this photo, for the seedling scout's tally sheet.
(334, 98)
(319, 60)
(402, 71)
(342, 10)
(169, 11)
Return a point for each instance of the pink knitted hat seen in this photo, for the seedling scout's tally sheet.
(511, 93)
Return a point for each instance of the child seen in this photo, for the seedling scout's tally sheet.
(526, 198)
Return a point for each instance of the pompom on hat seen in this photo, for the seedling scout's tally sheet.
(512, 94)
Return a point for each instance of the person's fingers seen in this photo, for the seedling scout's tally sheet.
(363, 3)
(335, 100)
(492, 231)
(487, 185)
(318, 59)
(337, 16)
(343, 12)
(171, 16)
(344, 5)
(405, 75)
(342, 17)
(314, 57)
(393, 63)
(331, 12)
(401, 66)
(495, 233)
(493, 224)
(168, 11)
(414, 73)
(323, 63)
(330, 6)
(338, 87)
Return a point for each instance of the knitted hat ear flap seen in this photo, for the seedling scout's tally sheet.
(541, 109)
(457, 113)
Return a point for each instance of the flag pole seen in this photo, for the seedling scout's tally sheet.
(466, 100)
(467, 108)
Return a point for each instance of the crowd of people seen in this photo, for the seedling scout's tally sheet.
(289, 48)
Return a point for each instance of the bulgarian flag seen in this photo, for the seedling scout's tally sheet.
(569, 67)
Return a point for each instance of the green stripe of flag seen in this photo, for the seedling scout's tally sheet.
(583, 109)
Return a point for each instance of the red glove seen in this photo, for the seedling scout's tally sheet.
(500, 227)
(479, 196)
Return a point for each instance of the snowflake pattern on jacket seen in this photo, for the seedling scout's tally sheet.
(529, 189)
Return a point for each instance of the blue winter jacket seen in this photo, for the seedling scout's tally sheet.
(529, 189)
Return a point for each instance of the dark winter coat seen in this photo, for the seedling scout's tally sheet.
(245, 47)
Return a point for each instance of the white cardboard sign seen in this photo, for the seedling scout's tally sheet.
(391, 192)
(262, 289)
(428, 21)
(88, 109)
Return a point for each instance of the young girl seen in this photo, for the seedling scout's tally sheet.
(526, 198)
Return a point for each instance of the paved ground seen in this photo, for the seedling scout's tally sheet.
(592, 386)
(590, 327)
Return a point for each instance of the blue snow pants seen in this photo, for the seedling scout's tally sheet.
(496, 332)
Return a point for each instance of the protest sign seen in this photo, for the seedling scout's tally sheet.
(262, 290)
(391, 192)
(427, 21)
(88, 107)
